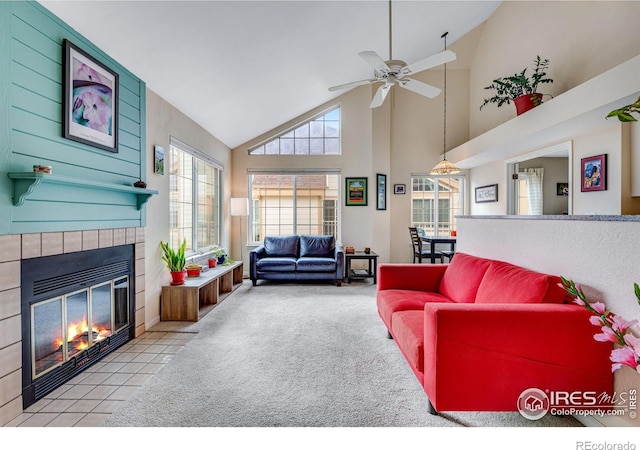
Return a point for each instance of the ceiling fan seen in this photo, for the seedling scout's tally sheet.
(395, 71)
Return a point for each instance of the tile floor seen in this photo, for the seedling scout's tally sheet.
(89, 398)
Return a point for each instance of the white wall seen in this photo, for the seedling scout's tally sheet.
(559, 36)
(164, 120)
(607, 140)
(581, 40)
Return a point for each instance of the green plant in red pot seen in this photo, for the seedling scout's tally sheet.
(520, 88)
(175, 261)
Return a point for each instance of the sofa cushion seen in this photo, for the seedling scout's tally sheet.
(463, 276)
(393, 300)
(408, 331)
(282, 245)
(323, 246)
(316, 264)
(507, 283)
(276, 264)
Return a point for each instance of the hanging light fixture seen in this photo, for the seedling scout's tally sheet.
(444, 167)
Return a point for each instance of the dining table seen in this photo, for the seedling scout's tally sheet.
(433, 240)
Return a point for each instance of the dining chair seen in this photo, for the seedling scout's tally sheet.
(420, 253)
(448, 254)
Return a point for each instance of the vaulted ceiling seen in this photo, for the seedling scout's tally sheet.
(241, 68)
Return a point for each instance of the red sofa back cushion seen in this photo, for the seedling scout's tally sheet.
(507, 283)
(462, 278)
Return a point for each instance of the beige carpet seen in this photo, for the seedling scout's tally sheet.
(294, 355)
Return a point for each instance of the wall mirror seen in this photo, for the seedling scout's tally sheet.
(539, 182)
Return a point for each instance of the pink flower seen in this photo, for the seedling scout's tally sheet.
(607, 335)
(620, 324)
(596, 320)
(86, 73)
(599, 307)
(95, 111)
(579, 302)
(633, 342)
(623, 356)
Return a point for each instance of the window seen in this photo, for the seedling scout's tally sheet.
(194, 204)
(429, 191)
(293, 203)
(318, 136)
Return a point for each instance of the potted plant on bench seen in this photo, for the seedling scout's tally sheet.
(519, 88)
(175, 261)
(221, 256)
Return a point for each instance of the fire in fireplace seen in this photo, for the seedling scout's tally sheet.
(76, 308)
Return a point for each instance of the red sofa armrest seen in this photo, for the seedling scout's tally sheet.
(502, 349)
(414, 277)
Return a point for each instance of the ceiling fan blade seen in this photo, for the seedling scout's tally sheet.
(374, 59)
(427, 63)
(351, 85)
(381, 94)
(419, 87)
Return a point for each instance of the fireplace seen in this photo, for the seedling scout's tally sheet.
(76, 308)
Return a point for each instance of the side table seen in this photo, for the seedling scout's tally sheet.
(359, 274)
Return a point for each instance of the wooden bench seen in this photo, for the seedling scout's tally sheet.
(198, 295)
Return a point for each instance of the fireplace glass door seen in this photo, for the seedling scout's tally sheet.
(63, 327)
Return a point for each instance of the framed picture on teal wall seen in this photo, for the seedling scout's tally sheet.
(90, 103)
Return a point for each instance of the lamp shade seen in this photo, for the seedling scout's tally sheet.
(444, 167)
(239, 206)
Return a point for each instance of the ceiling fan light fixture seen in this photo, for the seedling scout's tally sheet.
(396, 72)
(444, 167)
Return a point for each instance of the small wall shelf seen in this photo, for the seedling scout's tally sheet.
(24, 184)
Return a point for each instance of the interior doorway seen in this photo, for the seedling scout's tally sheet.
(540, 181)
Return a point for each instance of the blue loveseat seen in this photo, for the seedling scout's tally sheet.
(297, 258)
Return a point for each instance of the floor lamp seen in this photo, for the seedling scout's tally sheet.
(240, 207)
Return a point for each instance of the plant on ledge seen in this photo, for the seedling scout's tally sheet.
(221, 255)
(520, 88)
(614, 328)
(624, 114)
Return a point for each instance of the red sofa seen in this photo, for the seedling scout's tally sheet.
(478, 332)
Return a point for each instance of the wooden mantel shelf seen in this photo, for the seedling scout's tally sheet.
(574, 112)
(25, 183)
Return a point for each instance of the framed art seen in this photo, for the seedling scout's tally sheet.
(158, 158)
(488, 193)
(356, 191)
(399, 188)
(594, 173)
(562, 188)
(381, 188)
(90, 100)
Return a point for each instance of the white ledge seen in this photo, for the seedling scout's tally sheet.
(572, 113)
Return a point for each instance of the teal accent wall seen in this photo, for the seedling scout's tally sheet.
(31, 72)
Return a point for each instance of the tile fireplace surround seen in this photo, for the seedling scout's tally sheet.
(13, 248)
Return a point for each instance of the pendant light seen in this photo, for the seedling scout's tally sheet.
(444, 167)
